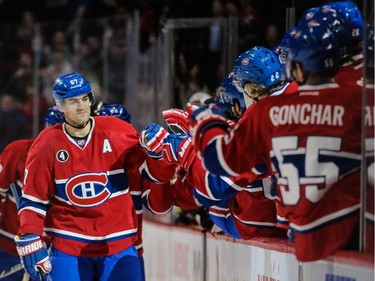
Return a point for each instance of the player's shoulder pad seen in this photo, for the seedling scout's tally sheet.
(104, 123)
(48, 135)
(18, 144)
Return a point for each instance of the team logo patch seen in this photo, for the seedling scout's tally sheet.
(245, 61)
(309, 16)
(88, 190)
(62, 156)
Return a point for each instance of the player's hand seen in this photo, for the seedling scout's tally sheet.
(33, 254)
(151, 139)
(178, 149)
(177, 120)
(205, 118)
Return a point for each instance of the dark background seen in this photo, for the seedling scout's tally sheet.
(52, 10)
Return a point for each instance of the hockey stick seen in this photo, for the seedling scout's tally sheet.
(45, 277)
(17, 267)
(16, 196)
(11, 270)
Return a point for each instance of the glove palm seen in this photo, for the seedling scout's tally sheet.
(177, 120)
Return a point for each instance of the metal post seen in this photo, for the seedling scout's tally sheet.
(106, 38)
(364, 165)
(291, 16)
(37, 46)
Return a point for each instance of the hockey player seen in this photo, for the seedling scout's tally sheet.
(116, 110)
(234, 202)
(119, 111)
(176, 195)
(12, 163)
(237, 213)
(76, 183)
(280, 52)
(346, 22)
(311, 140)
(259, 73)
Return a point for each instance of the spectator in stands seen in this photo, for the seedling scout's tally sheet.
(116, 62)
(13, 124)
(148, 22)
(215, 43)
(272, 35)
(195, 82)
(87, 58)
(28, 106)
(25, 32)
(59, 65)
(248, 25)
(16, 85)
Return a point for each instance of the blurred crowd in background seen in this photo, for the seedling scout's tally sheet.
(198, 67)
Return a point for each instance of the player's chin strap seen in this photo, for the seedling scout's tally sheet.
(78, 127)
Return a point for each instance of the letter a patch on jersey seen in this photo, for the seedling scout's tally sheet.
(106, 146)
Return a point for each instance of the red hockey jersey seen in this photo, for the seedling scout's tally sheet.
(351, 72)
(82, 193)
(312, 140)
(12, 167)
(160, 198)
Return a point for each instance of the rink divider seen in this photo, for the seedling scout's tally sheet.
(177, 253)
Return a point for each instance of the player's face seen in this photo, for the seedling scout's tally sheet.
(77, 110)
(298, 74)
(254, 91)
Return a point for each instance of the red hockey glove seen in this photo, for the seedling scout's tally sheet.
(177, 120)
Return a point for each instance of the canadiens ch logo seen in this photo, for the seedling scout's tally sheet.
(88, 190)
(62, 156)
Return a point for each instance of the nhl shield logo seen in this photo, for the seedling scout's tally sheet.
(62, 156)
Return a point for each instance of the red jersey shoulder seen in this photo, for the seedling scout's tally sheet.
(12, 161)
(109, 123)
(350, 73)
(117, 130)
(18, 146)
(48, 137)
(291, 88)
(323, 94)
(329, 106)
